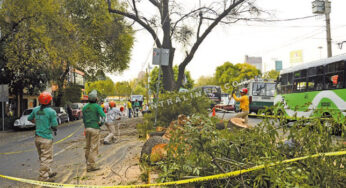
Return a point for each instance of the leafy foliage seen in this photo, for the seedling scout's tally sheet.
(41, 39)
(273, 75)
(205, 80)
(104, 88)
(171, 105)
(123, 88)
(229, 73)
(198, 149)
(72, 94)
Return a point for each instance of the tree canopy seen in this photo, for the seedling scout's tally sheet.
(273, 75)
(42, 39)
(123, 88)
(228, 73)
(104, 88)
(206, 80)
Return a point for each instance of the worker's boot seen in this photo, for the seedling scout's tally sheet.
(93, 169)
(53, 174)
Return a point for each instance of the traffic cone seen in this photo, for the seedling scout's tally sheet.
(213, 114)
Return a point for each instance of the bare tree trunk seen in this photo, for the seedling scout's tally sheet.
(61, 82)
(168, 73)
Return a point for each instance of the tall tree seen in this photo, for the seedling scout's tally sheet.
(228, 74)
(25, 46)
(180, 26)
(102, 40)
(104, 87)
(123, 88)
(187, 81)
(206, 80)
(41, 40)
(273, 75)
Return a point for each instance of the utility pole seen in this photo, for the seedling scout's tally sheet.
(329, 38)
(324, 7)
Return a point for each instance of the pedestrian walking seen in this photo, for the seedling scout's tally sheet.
(244, 104)
(93, 118)
(44, 118)
(129, 107)
(112, 116)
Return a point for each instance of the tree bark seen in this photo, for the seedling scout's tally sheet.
(61, 82)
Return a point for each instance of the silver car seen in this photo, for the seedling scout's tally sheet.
(23, 121)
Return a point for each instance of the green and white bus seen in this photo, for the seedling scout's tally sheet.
(315, 89)
(261, 93)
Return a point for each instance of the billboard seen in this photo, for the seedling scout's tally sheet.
(296, 56)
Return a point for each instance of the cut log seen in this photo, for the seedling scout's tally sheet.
(238, 123)
(150, 143)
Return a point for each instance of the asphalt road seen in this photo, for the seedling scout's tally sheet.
(25, 163)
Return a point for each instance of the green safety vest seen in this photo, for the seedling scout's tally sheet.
(44, 120)
(92, 113)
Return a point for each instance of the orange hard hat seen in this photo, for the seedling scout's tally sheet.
(112, 104)
(45, 98)
(122, 109)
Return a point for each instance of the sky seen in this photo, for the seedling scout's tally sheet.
(271, 40)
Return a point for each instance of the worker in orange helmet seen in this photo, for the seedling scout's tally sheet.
(45, 119)
(112, 116)
(244, 104)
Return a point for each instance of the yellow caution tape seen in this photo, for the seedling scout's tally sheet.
(193, 180)
(59, 141)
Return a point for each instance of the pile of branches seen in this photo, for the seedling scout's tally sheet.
(198, 149)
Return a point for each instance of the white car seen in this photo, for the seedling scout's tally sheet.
(23, 121)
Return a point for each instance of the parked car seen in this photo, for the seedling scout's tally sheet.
(77, 110)
(23, 122)
(61, 115)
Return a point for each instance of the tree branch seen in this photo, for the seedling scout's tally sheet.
(201, 39)
(14, 27)
(200, 24)
(187, 15)
(155, 3)
(216, 163)
(135, 8)
(138, 20)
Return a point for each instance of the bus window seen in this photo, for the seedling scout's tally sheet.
(290, 79)
(315, 83)
(320, 70)
(270, 89)
(299, 85)
(312, 71)
(334, 79)
(258, 89)
(284, 79)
